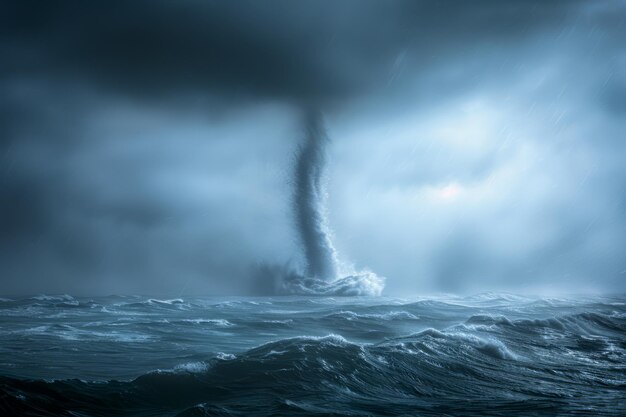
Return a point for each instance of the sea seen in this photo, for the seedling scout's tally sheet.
(484, 355)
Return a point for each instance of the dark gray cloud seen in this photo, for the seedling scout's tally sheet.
(147, 146)
(315, 51)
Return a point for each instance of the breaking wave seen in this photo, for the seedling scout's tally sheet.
(325, 356)
(428, 373)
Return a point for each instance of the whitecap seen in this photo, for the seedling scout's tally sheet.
(192, 367)
(217, 322)
(44, 297)
(225, 356)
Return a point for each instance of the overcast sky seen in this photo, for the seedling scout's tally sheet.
(148, 146)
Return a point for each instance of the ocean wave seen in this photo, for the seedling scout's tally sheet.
(489, 320)
(585, 323)
(192, 367)
(155, 303)
(410, 373)
(71, 333)
(355, 356)
(490, 296)
(240, 303)
(217, 322)
(44, 297)
(455, 342)
(391, 315)
(173, 301)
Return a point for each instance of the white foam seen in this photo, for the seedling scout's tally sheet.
(192, 367)
(225, 356)
(217, 322)
(44, 297)
(363, 284)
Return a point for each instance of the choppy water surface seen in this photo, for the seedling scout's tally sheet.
(484, 355)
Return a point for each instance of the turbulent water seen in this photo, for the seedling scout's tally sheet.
(484, 355)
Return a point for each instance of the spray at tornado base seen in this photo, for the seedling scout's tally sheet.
(323, 273)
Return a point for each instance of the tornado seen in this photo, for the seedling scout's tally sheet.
(309, 201)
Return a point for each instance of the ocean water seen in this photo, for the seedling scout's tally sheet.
(491, 354)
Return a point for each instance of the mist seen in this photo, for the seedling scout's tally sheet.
(161, 148)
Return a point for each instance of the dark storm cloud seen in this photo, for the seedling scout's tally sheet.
(301, 51)
(135, 150)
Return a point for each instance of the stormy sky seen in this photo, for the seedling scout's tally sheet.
(148, 146)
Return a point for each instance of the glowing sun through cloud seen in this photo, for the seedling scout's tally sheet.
(449, 192)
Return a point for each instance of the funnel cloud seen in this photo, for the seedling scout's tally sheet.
(308, 201)
(322, 269)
